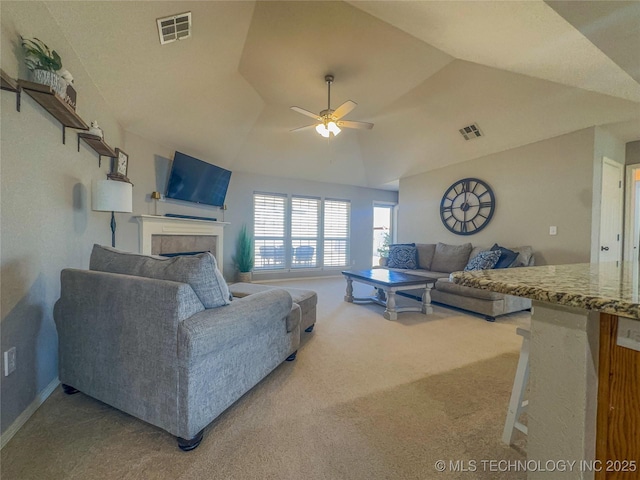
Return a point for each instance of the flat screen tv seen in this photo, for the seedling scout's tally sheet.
(193, 180)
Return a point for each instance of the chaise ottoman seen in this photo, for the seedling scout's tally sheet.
(306, 299)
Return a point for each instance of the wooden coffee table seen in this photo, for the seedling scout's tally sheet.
(387, 283)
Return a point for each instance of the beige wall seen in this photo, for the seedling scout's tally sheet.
(47, 223)
(149, 169)
(536, 186)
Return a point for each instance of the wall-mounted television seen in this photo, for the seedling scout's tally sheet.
(194, 180)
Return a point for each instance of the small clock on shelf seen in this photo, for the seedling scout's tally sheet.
(119, 166)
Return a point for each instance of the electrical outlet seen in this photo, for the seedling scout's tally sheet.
(553, 230)
(9, 361)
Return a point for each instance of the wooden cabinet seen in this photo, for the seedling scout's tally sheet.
(618, 423)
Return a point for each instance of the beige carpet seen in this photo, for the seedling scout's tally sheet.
(366, 399)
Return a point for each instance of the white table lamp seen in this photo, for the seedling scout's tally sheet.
(112, 196)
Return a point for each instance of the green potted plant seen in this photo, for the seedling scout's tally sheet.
(383, 250)
(44, 65)
(244, 255)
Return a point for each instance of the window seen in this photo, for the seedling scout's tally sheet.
(382, 230)
(269, 231)
(305, 216)
(289, 233)
(336, 233)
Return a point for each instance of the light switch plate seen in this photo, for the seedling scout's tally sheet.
(9, 361)
(553, 230)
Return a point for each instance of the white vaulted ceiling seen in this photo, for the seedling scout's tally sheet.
(524, 71)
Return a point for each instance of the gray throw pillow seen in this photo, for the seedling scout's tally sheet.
(426, 251)
(483, 261)
(200, 271)
(450, 258)
(525, 255)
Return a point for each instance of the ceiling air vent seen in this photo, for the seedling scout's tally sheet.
(470, 132)
(176, 27)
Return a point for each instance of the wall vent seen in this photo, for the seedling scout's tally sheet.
(176, 27)
(470, 132)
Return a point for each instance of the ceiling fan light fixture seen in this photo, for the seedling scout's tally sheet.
(333, 128)
(331, 120)
(322, 130)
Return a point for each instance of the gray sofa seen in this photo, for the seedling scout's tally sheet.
(440, 260)
(160, 339)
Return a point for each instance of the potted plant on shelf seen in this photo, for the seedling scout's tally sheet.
(44, 64)
(383, 250)
(244, 255)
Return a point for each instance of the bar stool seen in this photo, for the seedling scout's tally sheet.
(517, 405)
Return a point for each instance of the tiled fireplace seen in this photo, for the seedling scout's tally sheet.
(166, 235)
(184, 244)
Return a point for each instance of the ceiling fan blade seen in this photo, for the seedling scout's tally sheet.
(352, 124)
(307, 127)
(307, 113)
(345, 108)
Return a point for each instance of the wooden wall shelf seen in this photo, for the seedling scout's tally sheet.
(98, 144)
(46, 97)
(11, 85)
(118, 178)
(61, 111)
(8, 83)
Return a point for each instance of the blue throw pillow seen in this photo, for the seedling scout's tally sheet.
(483, 261)
(403, 256)
(507, 257)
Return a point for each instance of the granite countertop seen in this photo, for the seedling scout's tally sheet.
(601, 287)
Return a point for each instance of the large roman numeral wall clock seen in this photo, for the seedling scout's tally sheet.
(467, 206)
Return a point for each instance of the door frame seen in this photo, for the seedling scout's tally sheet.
(393, 207)
(631, 215)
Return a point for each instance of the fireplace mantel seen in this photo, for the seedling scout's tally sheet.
(159, 225)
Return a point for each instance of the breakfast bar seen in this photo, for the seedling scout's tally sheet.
(584, 391)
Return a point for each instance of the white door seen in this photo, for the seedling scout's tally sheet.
(611, 212)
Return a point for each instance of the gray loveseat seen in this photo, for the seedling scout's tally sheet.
(440, 260)
(160, 339)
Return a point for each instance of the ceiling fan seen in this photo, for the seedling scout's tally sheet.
(330, 120)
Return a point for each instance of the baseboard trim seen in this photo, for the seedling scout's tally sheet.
(30, 410)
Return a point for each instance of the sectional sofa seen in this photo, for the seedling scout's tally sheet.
(440, 260)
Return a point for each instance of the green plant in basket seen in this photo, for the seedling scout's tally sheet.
(244, 251)
(39, 56)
